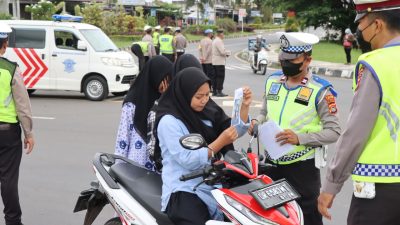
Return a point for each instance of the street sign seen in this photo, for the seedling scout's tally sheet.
(242, 13)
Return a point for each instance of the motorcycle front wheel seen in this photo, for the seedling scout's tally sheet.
(114, 221)
(263, 69)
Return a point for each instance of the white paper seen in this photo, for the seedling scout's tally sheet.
(267, 132)
(237, 103)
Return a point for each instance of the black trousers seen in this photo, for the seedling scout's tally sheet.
(305, 178)
(348, 54)
(208, 69)
(185, 208)
(169, 56)
(178, 54)
(157, 49)
(382, 210)
(10, 159)
(219, 76)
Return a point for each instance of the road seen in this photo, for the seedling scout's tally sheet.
(69, 130)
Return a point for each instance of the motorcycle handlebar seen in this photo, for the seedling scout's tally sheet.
(192, 175)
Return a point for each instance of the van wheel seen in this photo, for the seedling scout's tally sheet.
(95, 88)
(119, 93)
(30, 91)
(114, 221)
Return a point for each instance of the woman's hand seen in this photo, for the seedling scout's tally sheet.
(247, 96)
(228, 136)
(252, 123)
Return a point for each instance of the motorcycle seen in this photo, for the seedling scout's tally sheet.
(262, 61)
(244, 196)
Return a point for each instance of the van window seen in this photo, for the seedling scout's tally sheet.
(27, 38)
(65, 40)
(99, 40)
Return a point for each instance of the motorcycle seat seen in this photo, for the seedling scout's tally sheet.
(144, 186)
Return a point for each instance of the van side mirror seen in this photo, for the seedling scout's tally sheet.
(81, 45)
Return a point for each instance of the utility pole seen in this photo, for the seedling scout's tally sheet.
(197, 9)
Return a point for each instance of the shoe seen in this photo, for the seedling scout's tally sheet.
(221, 94)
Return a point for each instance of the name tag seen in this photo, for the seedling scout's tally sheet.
(304, 95)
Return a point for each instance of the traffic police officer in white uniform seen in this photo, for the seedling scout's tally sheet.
(369, 148)
(304, 105)
(15, 110)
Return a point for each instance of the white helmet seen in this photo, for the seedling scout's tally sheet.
(259, 36)
(157, 27)
(147, 27)
(5, 29)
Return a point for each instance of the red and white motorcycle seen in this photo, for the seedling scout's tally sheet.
(245, 197)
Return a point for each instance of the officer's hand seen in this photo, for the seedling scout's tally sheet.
(252, 123)
(28, 144)
(325, 201)
(287, 137)
(247, 96)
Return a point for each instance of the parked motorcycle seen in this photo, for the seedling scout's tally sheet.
(135, 192)
(261, 63)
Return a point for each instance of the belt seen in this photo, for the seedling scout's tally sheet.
(180, 50)
(291, 157)
(7, 126)
(377, 170)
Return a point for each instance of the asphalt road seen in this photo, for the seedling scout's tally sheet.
(69, 130)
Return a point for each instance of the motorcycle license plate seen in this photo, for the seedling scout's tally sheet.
(275, 194)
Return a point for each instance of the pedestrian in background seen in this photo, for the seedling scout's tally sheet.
(156, 41)
(304, 106)
(205, 52)
(219, 55)
(151, 82)
(149, 39)
(166, 44)
(369, 148)
(180, 43)
(348, 40)
(15, 111)
(136, 49)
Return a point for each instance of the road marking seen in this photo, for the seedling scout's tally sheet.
(255, 104)
(43, 118)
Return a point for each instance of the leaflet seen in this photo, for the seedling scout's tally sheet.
(237, 103)
(267, 133)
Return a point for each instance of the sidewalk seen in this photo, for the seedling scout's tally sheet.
(317, 67)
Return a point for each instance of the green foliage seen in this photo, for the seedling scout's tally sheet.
(199, 29)
(77, 10)
(139, 11)
(292, 25)
(257, 20)
(43, 10)
(5, 16)
(227, 24)
(151, 20)
(114, 22)
(266, 10)
(92, 14)
(171, 10)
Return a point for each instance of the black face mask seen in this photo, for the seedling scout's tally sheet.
(365, 46)
(291, 69)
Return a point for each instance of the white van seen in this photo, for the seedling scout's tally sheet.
(69, 56)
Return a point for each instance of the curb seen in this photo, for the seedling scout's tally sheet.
(319, 70)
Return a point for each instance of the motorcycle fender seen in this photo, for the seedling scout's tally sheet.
(263, 62)
(216, 222)
(93, 201)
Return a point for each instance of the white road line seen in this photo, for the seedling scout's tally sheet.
(241, 67)
(43, 118)
(230, 104)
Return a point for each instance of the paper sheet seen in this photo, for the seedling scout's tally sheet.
(237, 103)
(267, 133)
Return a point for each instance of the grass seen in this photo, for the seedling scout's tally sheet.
(333, 52)
(126, 40)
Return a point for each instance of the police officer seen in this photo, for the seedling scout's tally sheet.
(304, 105)
(205, 50)
(156, 36)
(219, 55)
(369, 148)
(15, 109)
(150, 51)
(166, 45)
(180, 43)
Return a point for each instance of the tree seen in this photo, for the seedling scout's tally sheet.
(92, 14)
(330, 14)
(44, 10)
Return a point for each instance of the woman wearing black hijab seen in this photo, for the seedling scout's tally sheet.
(137, 51)
(151, 82)
(187, 108)
(185, 61)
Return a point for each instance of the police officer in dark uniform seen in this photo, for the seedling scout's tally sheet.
(15, 110)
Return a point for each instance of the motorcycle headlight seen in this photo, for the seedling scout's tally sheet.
(247, 212)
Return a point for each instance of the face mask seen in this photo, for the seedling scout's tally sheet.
(365, 46)
(291, 69)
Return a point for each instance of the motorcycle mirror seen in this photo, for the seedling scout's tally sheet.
(192, 141)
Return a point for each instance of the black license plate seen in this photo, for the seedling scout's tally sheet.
(275, 194)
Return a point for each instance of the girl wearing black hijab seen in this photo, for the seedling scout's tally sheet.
(147, 88)
(137, 51)
(187, 108)
(185, 61)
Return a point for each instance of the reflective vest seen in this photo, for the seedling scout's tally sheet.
(156, 36)
(8, 112)
(166, 44)
(144, 45)
(295, 109)
(379, 161)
